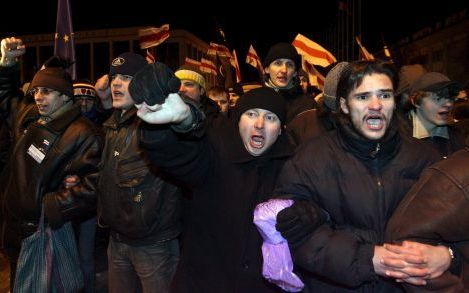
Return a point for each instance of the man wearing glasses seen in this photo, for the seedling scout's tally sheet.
(50, 140)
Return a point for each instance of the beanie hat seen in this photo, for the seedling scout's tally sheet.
(262, 98)
(127, 64)
(282, 51)
(187, 72)
(330, 85)
(236, 88)
(408, 74)
(434, 81)
(84, 89)
(55, 78)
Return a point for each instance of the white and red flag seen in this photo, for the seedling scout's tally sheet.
(363, 51)
(315, 77)
(208, 66)
(235, 64)
(312, 51)
(150, 57)
(153, 36)
(253, 59)
(220, 50)
(192, 62)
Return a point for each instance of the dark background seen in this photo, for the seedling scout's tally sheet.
(248, 22)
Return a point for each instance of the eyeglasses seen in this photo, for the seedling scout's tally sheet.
(42, 90)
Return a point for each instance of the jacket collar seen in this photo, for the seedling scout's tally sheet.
(61, 122)
(117, 118)
(368, 150)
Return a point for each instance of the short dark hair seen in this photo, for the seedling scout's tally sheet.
(353, 74)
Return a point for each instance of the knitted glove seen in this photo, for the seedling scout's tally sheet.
(297, 222)
(153, 83)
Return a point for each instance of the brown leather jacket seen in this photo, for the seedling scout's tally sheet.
(436, 210)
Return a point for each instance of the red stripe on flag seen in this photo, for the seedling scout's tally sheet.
(312, 52)
(155, 37)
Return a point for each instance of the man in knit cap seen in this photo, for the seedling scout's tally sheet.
(193, 86)
(281, 66)
(51, 140)
(222, 248)
(140, 205)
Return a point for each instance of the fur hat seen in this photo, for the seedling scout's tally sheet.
(55, 78)
(262, 98)
(282, 51)
(191, 73)
(127, 64)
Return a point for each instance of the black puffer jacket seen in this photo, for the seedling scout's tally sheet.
(359, 184)
(138, 203)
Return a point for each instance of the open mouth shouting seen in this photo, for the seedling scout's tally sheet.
(257, 141)
(374, 122)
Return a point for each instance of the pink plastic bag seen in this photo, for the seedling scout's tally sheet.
(278, 265)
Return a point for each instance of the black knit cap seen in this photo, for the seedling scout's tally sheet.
(127, 64)
(282, 51)
(55, 78)
(262, 98)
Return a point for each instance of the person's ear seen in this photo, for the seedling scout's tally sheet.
(344, 106)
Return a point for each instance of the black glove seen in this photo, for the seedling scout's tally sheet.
(297, 222)
(153, 83)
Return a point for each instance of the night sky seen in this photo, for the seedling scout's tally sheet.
(390, 20)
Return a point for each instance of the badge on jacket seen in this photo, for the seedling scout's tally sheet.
(36, 153)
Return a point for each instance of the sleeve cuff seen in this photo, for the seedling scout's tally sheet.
(52, 211)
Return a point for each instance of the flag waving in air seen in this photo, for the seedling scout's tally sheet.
(220, 50)
(312, 51)
(253, 59)
(235, 64)
(208, 66)
(152, 36)
(64, 45)
(192, 62)
(363, 51)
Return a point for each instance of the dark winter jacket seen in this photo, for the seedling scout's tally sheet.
(138, 203)
(359, 183)
(297, 102)
(221, 248)
(436, 211)
(41, 157)
(310, 124)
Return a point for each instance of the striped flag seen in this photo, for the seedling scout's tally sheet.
(315, 77)
(253, 59)
(208, 66)
(192, 62)
(64, 45)
(220, 50)
(153, 36)
(363, 51)
(150, 58)
(235, 64)
(312, 51)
